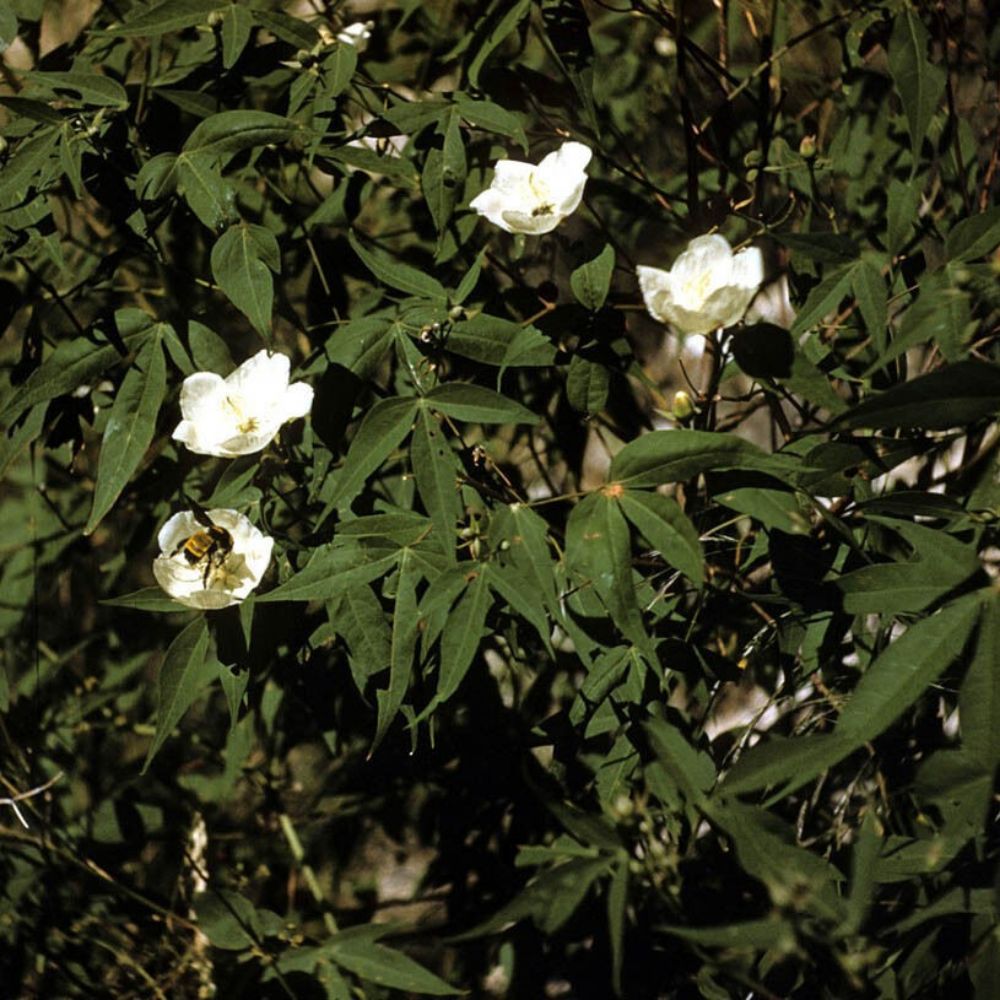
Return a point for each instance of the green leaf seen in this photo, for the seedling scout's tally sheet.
(492, 117)
(397, 275)
(383, 428)
(358, 616)
(778, 509)
(902, 673)
(436, 476)
(208, 194)
(330, 573)
(764, 350)
(229, 132)
(979, 697)
(599, 550)
(464, 401)
(671, 456)
(524, 537)
(550, 899)
(941, 564)
(130, 428)
(785, 762)
(871, 294)
(93, 89)
(157, 178)
(171, 15)
(226, 918)
(920, 83)
(770, 933)
(186, 671)
(462, 635)
(587, 384)
(379, 964)
(338, 69)
(827, 248)
(668, 530)
(489, 32)
(405, 623)
(495, 341)
(78, 362)
(244, 259)
(237, 23)
(940, 315)
(957, 394)
(359, 345)
(823, 299)
(901, 213)
(8, 26)
(974, 237)
(590, 282)
(444, 171)
(147, 599)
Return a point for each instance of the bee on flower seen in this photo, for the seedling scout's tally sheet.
(211, 559)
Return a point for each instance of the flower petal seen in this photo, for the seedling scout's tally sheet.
(657, 290)
(201, 394)
(569, 158)
(297, 402)
(748, 268)
(516, 221)
(491, 204)
(260, 379)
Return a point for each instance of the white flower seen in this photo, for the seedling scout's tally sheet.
(240, 414)
(211, 566)
(708, 287)
(356, 34)
(524, 198)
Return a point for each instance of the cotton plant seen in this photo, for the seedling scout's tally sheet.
(211, 560)
(242, 413)
(534, 198)
(708, 287)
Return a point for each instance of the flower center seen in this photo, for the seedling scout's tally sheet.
(541, 189)
(245, 423)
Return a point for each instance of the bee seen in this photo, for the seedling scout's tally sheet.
(211, 545)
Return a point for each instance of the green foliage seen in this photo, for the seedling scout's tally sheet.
(586, 663)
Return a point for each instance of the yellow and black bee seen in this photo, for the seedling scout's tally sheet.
(211, 545)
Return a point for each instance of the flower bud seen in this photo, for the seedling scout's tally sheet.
(683, 407)
(807, 147)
